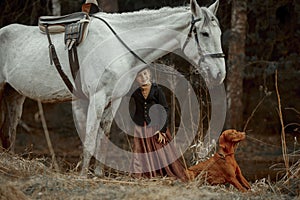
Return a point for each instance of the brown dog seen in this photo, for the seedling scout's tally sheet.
(222, 167)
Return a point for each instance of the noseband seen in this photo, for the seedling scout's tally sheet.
(200, 52)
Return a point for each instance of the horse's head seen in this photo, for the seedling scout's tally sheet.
(203, 43)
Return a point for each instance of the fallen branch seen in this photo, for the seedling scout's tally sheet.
(44, 124)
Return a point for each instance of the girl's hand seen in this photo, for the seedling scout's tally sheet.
(161, 137)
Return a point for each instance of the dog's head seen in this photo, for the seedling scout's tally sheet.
(230, 138)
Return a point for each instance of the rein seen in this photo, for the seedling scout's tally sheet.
(189, 36)
(120, 39)
(123, 43)
(74, 60)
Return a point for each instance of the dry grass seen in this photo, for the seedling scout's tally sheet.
(30, 179)
(16, 167)
(290, 183)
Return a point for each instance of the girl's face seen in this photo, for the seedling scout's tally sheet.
(143, 77)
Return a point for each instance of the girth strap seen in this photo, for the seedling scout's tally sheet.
(74, 65)
(73, 58)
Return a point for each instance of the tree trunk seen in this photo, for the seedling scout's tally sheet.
(235, 64)
(56, 8)
(109, 6)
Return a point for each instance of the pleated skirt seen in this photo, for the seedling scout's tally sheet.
(153, 159)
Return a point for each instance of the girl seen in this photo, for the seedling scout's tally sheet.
(151, 133)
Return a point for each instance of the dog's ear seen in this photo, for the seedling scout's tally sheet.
(222, 143)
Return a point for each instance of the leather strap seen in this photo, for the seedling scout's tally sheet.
(74, 65)
(120, 39)
(54, 58)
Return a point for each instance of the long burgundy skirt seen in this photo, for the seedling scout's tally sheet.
(152, 159)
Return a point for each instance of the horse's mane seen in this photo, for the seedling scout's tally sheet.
(150, 11)
(143, 17)
(159, 11)
(153, 15)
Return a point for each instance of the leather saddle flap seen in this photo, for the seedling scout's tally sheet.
(75, 33)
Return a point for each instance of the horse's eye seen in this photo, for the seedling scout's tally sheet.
(205, 34)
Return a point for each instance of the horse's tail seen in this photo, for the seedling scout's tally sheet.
(2, 80)
(2, 88)
(3, 112)
(4, 41)
(4, 119)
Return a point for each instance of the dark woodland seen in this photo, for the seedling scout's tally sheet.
(261, 40)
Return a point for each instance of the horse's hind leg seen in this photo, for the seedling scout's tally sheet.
(11, 106)
(79, 108)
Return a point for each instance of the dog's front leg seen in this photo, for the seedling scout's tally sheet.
(242, 179)
(237, 184)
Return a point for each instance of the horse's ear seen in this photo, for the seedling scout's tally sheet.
(214, 7)
(194, 6)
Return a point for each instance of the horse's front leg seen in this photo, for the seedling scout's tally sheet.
(102, 140)
(101, 153)
(94, 115)
(106, 122)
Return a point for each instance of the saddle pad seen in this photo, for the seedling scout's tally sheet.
(53, 28)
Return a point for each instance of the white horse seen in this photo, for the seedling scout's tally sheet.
(25, 70)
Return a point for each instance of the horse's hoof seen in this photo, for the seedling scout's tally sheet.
(83, 174)
(99, 172)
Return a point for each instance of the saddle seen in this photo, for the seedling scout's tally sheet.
(75, 27)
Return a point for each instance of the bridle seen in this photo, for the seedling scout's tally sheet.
(200, 52)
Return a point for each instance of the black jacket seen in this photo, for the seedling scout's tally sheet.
(142, 107)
